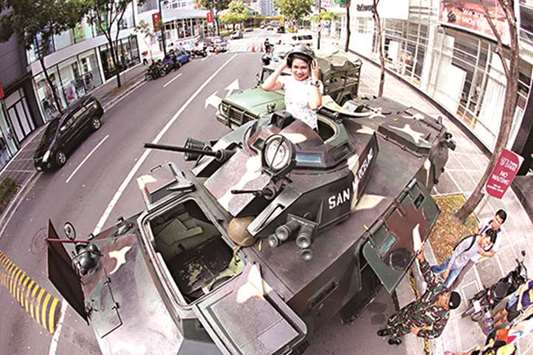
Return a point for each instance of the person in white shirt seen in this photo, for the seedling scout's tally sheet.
(303, 95)
(495, 223)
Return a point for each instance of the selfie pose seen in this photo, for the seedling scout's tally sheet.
(303, 88)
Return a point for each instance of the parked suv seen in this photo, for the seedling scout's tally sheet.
(66, 132)
(339, 75)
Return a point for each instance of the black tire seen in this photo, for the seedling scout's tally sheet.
(60, 158)
(96, 123)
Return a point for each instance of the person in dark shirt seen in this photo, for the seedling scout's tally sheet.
(427, 316)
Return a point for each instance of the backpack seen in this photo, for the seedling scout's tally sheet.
(473, 236)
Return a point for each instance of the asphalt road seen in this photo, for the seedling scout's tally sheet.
(142, 116)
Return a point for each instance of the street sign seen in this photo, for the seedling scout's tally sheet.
(156, 21)
(503, 173)
(209, 16)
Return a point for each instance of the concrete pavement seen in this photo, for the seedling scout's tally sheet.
(465, 167)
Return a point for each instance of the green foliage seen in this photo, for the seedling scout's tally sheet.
(343, 3)
(236, 13)
(324, 16)
(218, 5)
(294, 9)
(145, 29)
(30, 18)
(8, 188)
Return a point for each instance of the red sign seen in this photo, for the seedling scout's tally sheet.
(156, 21)
(503, 173)
(1, 91)
(209, 16)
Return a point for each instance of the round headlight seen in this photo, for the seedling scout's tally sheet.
(278, 154)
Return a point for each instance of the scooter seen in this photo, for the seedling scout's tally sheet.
(480, 306)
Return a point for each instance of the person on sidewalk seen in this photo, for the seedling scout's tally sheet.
(427, 316)
(303, 88)
(465, 254)
(495, 223)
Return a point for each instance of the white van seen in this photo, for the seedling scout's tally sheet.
(298, 38)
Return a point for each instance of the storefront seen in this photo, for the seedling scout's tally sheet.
(18, 115)
(8, 145)
(446, 52)
(184, 26)
(72, 79)
(127, 53)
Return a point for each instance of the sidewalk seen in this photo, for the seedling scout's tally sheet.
(20, 168)
(464, 168)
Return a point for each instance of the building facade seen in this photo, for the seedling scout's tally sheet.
(443, 48)
(79, 60)
(19, 114)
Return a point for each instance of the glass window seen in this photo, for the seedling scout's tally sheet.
(64, 39)
(45, 95)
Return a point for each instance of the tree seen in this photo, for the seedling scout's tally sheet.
(346, 4)
(379, 40)
(510, 67)
(217, 6)
(108, 16)
(294, 10)
(36, 22)
(144, 28)
(236, 13)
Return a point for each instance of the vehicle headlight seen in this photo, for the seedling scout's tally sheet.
(278, 155)
(46, 156)
(225, 108)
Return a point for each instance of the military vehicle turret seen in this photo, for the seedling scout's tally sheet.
(275, 228)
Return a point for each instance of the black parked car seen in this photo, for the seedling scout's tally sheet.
(66, 132)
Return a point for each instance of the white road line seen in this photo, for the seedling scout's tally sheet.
(115, 101)
(171, 80)
(204, 59)
(86, 158)
(143, 157)
(55, 338)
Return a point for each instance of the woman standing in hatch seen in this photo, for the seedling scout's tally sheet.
(303, 88)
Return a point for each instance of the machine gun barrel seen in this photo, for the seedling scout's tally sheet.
(173, 148)
(193, 150)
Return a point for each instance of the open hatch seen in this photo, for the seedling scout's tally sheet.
(193, 250)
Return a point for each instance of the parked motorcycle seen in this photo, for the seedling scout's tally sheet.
(480, 306)
(200, 50)
(154, 71)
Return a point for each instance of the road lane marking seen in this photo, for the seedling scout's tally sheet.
(87, 158)
(143, 157)
(171, 80)
(36, 301)
(204, 59)
(116, 100)
(57, 332)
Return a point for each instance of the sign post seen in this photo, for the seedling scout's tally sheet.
(503, 173)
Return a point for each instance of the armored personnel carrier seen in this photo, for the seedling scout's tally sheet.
(275, 228)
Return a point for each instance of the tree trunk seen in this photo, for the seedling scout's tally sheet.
(347, 44)
(114, 59)
(51, 84)
(509, 108)
(377, 21)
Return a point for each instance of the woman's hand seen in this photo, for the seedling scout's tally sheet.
(315, 70)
